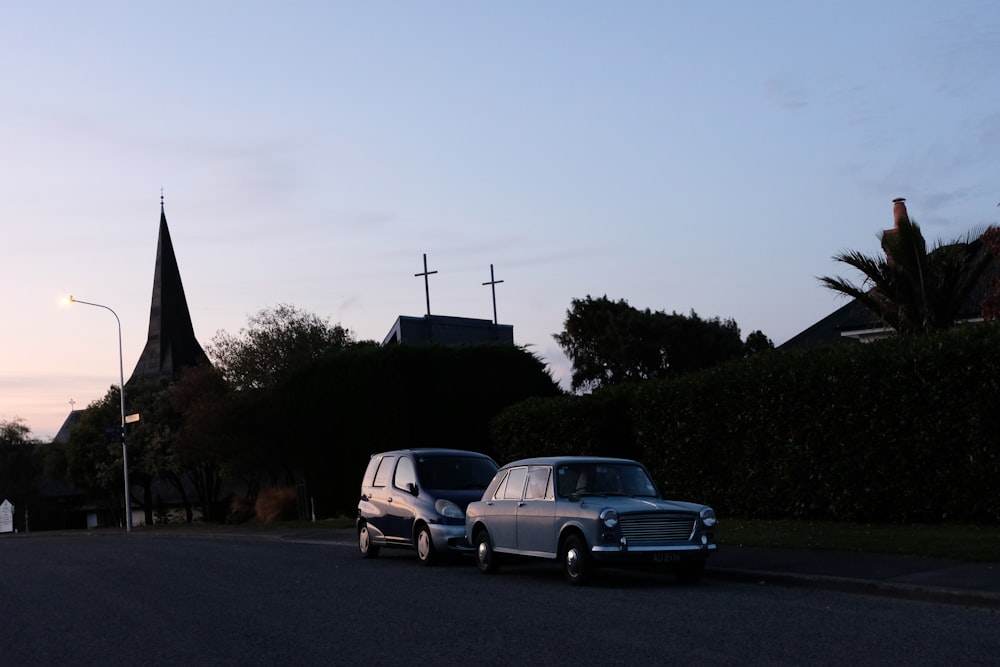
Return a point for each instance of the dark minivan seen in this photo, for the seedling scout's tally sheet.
(416, 499)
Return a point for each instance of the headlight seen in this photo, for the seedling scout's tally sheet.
(609, 518)
(708, 516)
(449, 509)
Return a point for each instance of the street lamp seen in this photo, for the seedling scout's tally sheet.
(121, 375)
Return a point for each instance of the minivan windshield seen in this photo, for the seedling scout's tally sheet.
(604, 479)
(455, 473)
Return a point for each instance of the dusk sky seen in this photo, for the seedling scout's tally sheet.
(681, 156)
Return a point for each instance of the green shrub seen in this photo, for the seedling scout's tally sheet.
(903, 429)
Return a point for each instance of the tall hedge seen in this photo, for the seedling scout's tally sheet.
(902, 429)
(356, 402)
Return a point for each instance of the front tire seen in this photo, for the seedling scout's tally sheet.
(486, 558)
(576, 563)
(368, 550)
(425, 546)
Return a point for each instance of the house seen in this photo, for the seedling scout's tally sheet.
(449, 330)
(853, 322)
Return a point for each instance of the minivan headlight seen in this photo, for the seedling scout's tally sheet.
(448, 509)
(708, 516)
(609, 518)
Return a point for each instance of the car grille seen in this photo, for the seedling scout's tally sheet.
(643, 529)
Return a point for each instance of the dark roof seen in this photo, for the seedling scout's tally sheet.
(447, 330)
(171, 344)
(72, 419)
(854, 317)
(850, 317)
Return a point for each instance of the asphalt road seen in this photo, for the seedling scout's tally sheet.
(153, 599)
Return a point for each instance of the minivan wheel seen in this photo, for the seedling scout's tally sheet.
(576, 564)
(486, 558)
(368, 550)
(425, 546)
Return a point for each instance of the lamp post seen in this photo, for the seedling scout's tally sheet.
(121, 375)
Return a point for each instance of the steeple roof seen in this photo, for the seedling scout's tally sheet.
(170, 345)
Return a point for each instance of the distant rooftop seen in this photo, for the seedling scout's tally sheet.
(447, 330)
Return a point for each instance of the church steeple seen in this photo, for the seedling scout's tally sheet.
(170, 345)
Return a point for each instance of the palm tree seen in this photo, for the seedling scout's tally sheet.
(910, 289)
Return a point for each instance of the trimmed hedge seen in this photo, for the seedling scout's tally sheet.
(353, 403)
(905, 429)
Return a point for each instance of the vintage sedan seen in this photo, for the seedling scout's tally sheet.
(587, 512)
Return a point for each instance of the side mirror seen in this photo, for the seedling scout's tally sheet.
(412, 489)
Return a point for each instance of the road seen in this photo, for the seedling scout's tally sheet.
(153, 599)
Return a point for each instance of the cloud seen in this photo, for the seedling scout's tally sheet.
(786, 93)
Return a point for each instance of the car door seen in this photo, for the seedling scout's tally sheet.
(502, 509)
(536, 514)
(399, 502)
(379, 493)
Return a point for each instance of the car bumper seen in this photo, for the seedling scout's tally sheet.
(448, 537)
(652, 554)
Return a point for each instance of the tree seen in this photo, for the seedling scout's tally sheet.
(757, 342)
(991, 300)
(610, 342)
(20, 460)
(273, 343)
(94, 452)
(342, 408)
(909, 289)
(207, 436)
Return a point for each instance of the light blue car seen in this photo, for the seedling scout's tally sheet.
(587, 512)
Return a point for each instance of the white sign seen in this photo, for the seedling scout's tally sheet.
(6, 517)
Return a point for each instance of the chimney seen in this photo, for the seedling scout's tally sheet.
(898, 211)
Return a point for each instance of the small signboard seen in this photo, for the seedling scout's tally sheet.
(6, 517)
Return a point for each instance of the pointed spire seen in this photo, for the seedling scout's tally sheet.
(171, 344)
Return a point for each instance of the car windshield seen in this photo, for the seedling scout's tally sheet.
(453, 473)
(604, 479)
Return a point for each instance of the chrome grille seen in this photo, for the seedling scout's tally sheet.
(649, 529)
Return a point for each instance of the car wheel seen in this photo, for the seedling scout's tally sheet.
(486, 559)
(368, 550)
(576, 564)
(425, 546)
(689, 572)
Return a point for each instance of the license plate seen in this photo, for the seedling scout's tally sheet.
(666, 557)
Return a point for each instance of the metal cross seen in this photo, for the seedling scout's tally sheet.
(427, 286)
(493, 287)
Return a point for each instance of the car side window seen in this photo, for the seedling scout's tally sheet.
(405, 474)
(369, 477)
(515, 484)
(384, 472)
(501, 487)
(538, 487)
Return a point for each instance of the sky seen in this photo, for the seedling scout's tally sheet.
(706, 157)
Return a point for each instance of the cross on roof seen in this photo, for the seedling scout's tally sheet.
(493, 287)
(427, 287)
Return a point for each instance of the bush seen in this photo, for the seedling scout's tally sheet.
(902, 430)
(276, 503)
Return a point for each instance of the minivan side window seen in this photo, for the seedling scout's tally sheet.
(515, 484)
(405, 474)
(369, 477)
(384, 472)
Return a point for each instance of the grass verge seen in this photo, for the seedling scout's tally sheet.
(961, 542)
